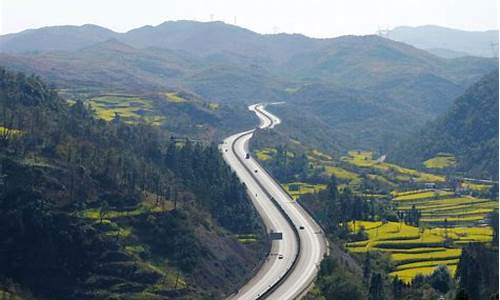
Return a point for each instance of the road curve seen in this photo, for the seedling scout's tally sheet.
(301, 249)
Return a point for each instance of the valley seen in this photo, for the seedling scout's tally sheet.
(136, 165)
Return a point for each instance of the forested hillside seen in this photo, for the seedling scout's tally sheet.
(469, 131)
(91, 209)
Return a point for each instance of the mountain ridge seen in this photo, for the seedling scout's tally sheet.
(474, 43)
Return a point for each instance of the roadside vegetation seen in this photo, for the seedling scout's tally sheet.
(97, 209)
(405, 230)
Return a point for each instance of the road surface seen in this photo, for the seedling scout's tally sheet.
(292, 265)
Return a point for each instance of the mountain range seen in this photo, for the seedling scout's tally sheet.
(395, 85)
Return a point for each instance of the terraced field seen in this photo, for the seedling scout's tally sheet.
(416, 250)
(439, 207)
(325, 163)
(364, 159)
(478, 187)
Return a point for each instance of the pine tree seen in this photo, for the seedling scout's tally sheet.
(397, 288)
(376, 291)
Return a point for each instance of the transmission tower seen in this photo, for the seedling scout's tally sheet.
(383, 31)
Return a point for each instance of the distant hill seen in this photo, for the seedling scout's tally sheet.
(447, 42)
(469, 130)
(224, 63)
(59, 38)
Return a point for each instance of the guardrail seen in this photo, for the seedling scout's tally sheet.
(307, 210)
(278, 206)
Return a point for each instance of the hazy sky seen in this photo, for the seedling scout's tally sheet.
(317, 18)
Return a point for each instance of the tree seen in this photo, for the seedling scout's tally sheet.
(367, 268)
(397, 288)
(103, 210)
(376, 291)
(493, 192)
(468, 275)
(461, 295)
(493, 220)
(440, 279)
(477, 271)
(333, 207)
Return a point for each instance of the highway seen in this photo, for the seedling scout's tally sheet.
(292, 265)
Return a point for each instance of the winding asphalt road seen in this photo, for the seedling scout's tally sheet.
(292, 265)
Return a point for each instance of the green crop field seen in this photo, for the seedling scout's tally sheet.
(416, 250)
(441, 161)
(296, 189)
(130, 109)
